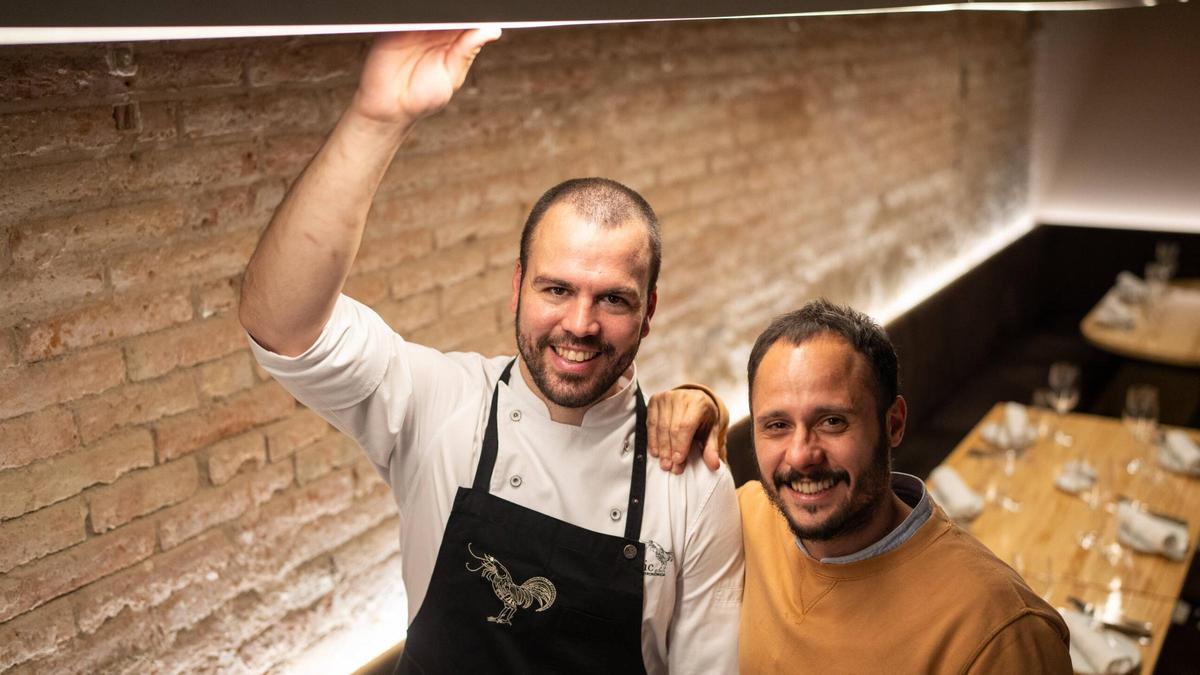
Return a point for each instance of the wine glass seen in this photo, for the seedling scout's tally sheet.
(1140, 416)
(1064, 395)
(1166, 253)
(1157, 276)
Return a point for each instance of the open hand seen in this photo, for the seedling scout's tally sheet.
(411, 75)
(680, 422)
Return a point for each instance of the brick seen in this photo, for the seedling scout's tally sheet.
(211, 506)
(34, 189)
(305, 63)
(57, 132)
(49, 242)
(503, 220)
(455, 330)
(152, 581)
(227, 458)
(184, 433)
(35, 387)
(279, 537)
(216, 297)
(8, 350)
(287, 155)
(35, 634)
(378, 253)
(39, 435)
(274, 112)
(300, 429)
(32, 585)
(22, 290)
(369, 289)
(410, 313)
(196, 342)
(191, 70)
(118, 646)
(368, 549)
(225, 376)
(142, 492)
(366, 477)
(216, 257)
(320, 458)
(135, 404)
(102, 322)
(48, 73)
(478, 292)
(37, 485)
(42, 532)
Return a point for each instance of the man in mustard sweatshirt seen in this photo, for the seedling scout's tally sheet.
(851, 568)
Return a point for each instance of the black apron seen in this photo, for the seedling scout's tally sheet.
(517, 591)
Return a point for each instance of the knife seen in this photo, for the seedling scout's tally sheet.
(1139, 629)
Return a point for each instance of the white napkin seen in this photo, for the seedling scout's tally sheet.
(1093, 646)
(1180, 453)
(1114, 313)
(1075, 477)
(1014, 432)
(1132, 288)
(1150, 534)
(956, 498)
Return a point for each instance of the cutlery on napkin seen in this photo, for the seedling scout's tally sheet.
(1179, 453)
(1094, 646)
(1149, 533)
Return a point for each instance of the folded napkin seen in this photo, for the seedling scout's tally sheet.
(1149, 533)
(1180, 453)
(1075, 477)
(956, 498)
(1132, 288)
(1114, 313)
(1093, 644)
(1014, 433)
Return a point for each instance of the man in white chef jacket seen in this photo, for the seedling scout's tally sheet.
(533, 537)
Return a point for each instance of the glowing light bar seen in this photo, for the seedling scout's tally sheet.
(49, 34)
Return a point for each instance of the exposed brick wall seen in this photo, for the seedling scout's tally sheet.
(164, 507)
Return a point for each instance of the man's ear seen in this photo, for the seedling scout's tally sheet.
(897, 417)
(516, 288)
(651, 304)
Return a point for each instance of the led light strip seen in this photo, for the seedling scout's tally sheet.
(75, 34)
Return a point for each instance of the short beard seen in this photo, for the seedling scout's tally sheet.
(866, 498)
(571, 396)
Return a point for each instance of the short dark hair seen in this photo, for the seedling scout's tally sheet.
(602, 201)
(822, 317)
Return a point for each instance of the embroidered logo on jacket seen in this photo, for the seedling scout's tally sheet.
(537, 589)
(658, 566)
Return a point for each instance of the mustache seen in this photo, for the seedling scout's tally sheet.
(817, 475)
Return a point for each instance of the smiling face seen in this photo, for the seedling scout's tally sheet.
(822, 453)
(582, 308)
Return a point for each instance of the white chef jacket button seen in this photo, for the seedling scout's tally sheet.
(515, 415)
(515, 480)
(625, 447)
(615, 514)
(630, 551)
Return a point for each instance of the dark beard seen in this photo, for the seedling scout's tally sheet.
(873, 488)
(572, 397)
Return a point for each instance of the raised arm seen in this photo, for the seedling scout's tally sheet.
(301, 263)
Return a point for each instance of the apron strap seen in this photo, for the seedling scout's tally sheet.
(637, 481)
(487, 455)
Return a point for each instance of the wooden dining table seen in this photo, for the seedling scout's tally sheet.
(1166, 331)
(1066, 545)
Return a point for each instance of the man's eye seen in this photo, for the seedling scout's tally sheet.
(833, 422)
(614, 300)
(556, 290)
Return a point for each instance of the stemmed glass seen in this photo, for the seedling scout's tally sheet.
(1166, 253)
(1063, 395)
(1140, 416)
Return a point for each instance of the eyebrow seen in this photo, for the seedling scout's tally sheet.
(542, 279)
(822, 410)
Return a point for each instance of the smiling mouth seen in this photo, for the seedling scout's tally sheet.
(575, 355)
(812, 487)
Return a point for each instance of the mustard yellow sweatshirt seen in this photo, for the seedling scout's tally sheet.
(940, 603)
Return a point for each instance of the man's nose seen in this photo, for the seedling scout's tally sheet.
(805, 450)
(581, 318)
